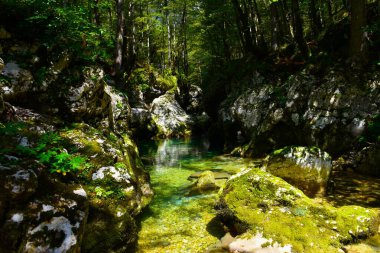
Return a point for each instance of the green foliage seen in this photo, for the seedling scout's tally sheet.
(49, 150)
(372, 132)
(103, 193)
(139, 78)
(11, 128)
(3, 80)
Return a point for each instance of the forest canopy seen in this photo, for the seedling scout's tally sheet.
(195, 40)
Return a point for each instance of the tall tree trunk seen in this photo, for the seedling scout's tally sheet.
(298, 28)
(184, 32)
(96, 12)
(259, 24)
(275, 26)
(358, 36)
(120, 33)
(314, 18)
(169, 34)
(283, 13)
(329, 11)
(251, 29)
(242, 21)
(226, 46)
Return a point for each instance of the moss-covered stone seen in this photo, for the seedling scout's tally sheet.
(255, 202)
(307, 168)
(41, 211)
(118, 187)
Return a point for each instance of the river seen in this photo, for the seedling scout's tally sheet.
(179, 221)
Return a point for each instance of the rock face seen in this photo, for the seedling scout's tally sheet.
(89, 98)
(43, 210)
(171, 120)
(368, 161)
(265, 207)
(308, 169)
(94, 99)
(20, 82)
(330, 112)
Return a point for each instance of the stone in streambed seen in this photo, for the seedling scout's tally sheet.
(306, 168)
(260, 205)
(217, 175)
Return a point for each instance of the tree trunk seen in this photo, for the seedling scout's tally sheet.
(169, 35)
(242, 21)
(120, 33)
(358, 36)
(329, 11)
(259, 24)
(96, 13)
(275, 26)
(314, 18)
(298, 29)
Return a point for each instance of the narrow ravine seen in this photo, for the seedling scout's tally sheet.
(177, 221)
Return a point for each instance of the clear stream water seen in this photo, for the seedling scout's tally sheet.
(178, 221)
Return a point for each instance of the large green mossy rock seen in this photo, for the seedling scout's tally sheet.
(261, 205)
(118, 187)
(306, 168)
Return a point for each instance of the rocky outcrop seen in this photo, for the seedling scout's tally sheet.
(55, 206)
(367, 160)
(94, 99)
(308, 169)
(20, 82)
(265, 208)
(171, 120)
(330, 112)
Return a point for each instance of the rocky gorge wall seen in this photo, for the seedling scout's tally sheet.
(70, 173)
(338, 112)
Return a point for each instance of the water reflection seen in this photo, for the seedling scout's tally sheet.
(171, 152)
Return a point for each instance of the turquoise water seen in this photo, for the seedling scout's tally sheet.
(177, 221)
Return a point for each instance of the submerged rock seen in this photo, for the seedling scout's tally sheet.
(217, 175)
(256, 203)
(308, 169)
(171, 120)
(206, 181)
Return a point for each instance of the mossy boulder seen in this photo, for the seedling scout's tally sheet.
(306, 168)
(257, 203)
(118, 187)
(171, 120)
(206, 181)
(45, 208)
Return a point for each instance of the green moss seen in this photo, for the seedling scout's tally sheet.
(278, 151)
(281, 212)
